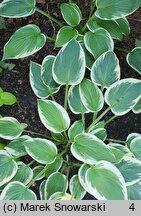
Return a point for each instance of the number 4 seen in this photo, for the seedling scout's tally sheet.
(132, 207)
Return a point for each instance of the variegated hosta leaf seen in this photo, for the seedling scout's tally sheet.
(124, 26)
(119, 151)
(69, 65)
(110, 25)
(17, 191)
(54, 166)
(46, 74)
(105, 182)
(41, 150)
(56, 182)
(24, 42)
(76, 189)
(137, 108)
(53, 116)
(98, 42)
(64, 35)
(76, 128)
(36, 171)
(82, 176)
(134, 191)
(130, 168)
(24, 174)
(75, 102)
(135, 147)
(88, 56)
(61, 196)
(131, 137)
(71, 14)
(16, 147)
(106, 70)
(10, 128)
(17, 8)
(123, 95)
(8, 167)
(133, 59)
(94, 151)
(112, 9)
(91, 96)
(38, 86)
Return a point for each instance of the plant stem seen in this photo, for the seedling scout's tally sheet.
(65, 134)
(35, 133)
(49, 17)
(83, 119)
(66, 97)
(52, 96)
(92, 7)
(94, 116)
(38, 176)
(111, 119)
(65, 150)
(116, 141)
(50, 38)
(122, 50)
(99, 118)
(31, 162)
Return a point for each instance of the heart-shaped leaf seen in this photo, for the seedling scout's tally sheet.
(24, 42)
(106, 70)
(17, 8)
(119, 151)
(98, 42)
(64, 35)
(76, 189)
(36, 171)
(53, 167)
(110, 25)
(41, 150)
(124, 26)
(61, 196)
(16, 147)
(75, 102)
(17, 191)
(24, 173)
(46, 74)
(53, 116)
(135, 147)
(134, 191)
(82, 176)
(56, 182)
(137, 108)
(133, 59)
(10, 128)
(91, 96)
(71, 14)
(123, 95)
(112, 9)
(130, 168)
(105, 182)
(69, 65)
(8, 167)
(89, 149)
(76, 128)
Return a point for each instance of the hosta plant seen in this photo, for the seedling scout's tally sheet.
(106, 168)
(106, 21)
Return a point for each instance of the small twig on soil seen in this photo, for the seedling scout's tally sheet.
(35, 133)
(49, 17)
(116, 141)
(111, 119)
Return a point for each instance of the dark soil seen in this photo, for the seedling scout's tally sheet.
(17, 80)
